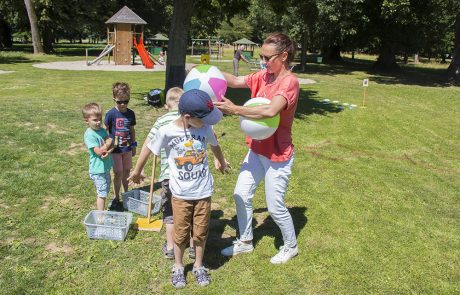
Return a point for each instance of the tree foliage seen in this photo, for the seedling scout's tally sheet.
(387, 27)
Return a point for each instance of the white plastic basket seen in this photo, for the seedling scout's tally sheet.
(107, 225)
(137, 201)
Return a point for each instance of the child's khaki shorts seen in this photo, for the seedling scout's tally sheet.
(188, 213)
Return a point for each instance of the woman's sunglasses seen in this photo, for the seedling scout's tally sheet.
(268, 58)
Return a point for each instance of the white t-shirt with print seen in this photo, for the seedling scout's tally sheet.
(190, 178)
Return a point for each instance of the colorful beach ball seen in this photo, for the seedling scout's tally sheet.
(207, 78)
(259, 129)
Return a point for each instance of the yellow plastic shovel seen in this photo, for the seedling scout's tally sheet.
(145, 223)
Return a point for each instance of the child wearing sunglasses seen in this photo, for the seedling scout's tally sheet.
(120, 122)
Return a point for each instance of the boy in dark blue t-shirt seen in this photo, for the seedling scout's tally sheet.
(120, 122)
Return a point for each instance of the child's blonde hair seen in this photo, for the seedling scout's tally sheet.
(172, 97)
(91, 109)
(121, 90)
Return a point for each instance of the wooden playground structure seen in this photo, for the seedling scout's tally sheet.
(211, 46)
(125, 32)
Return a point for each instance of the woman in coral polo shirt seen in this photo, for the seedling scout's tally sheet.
(270, 159)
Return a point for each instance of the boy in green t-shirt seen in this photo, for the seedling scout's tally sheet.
(99, 147)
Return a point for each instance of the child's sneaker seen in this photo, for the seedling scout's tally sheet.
(169, 254)
(178, 278)
(238, 247)
(116, 205)
(284, 254)
(201, 276)
(191, 252)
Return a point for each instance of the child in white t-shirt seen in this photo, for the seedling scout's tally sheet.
(191, 182)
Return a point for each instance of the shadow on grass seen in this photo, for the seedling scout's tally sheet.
(269, 228)
(406, 74)
(15, 59)
(66, 49)
(215, 243)
(309, 102)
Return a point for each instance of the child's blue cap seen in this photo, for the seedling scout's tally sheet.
(198, 104)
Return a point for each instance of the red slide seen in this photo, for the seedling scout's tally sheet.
(148, 63)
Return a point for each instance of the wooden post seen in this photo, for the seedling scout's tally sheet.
(365, 85)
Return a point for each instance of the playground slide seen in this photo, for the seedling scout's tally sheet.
(108, 48)
(154, 59)
(148, 63)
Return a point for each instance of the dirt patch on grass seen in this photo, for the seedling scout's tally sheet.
(53, 128)
(45, 206)
(260, 217)
(54, 248)
(71, 203)
(75, 148)
(52, 231)
(21, 202)
(306, 81)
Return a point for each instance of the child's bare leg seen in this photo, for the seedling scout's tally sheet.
(117, 184)
(199, 252)
(125, 180)
(169, 236)
(179, 254)
(100, 204)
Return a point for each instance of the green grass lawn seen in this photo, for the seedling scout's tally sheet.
(375, 192)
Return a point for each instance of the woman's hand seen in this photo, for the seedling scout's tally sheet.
(226, 105)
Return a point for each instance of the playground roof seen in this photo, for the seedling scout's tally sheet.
(244, 41)
(159, 37)
(126, 16)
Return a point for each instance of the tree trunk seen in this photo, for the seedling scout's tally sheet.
(443, 58)
(48, 38)
(386, 60)
(36, 40)
(5, 33)
(454, 67)
(177, 45)
(332, 54)
(303, 52)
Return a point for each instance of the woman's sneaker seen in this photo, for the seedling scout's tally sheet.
(178, 277)
(201, 276)
(168, 254)
(284, 254)
(238, 247)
